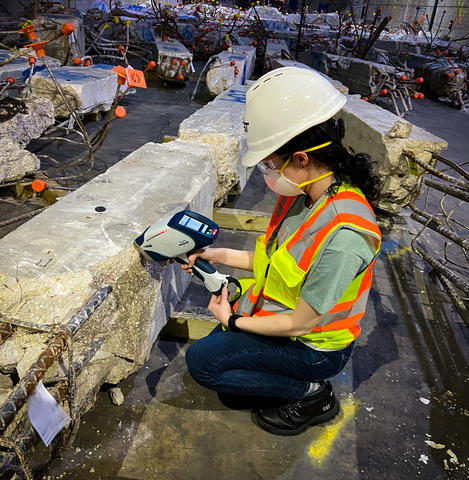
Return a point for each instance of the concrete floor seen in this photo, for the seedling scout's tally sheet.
(406, 383)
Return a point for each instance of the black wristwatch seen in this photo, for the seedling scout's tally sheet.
(232, 323)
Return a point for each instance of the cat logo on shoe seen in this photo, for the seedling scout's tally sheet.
(326, 407)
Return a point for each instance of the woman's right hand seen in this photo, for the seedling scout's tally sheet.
(206, 254)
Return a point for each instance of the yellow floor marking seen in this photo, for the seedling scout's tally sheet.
(321, 446)
(399, 253)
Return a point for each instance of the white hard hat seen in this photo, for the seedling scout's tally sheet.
(284, 103)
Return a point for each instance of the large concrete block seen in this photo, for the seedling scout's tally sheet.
(279, 63)
(19, 68)
(275, 49)
(173, 60)
(51, 265)
(24, 127)
(87, 89)
(230, 68)
(15, 162)
(65, 48)
(220, 125)
(383, 135)
(360, 76)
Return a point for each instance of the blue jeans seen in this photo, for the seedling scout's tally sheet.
(256, 365)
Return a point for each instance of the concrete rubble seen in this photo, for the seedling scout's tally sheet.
(275, 49)
(381, 134)
(360, 76)
(64, 49)
(88, 89)
(230, 68)
(219, 124)
(174, 60)
(279, 63)
(52, 265)
(17, 132)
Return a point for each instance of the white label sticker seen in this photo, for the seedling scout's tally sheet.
(46, 415)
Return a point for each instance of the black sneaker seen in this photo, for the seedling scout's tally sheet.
(295, 417)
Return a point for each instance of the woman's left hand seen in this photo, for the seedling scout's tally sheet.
(220, 307)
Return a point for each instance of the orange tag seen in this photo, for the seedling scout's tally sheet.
(121, 74)
(136, 78)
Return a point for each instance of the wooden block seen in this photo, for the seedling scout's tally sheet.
(191, 323)
(241, 219)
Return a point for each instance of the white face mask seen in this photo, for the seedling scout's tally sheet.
(278, 183)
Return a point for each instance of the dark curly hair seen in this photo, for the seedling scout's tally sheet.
(356, 169)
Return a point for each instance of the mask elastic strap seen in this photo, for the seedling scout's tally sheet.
(328, 174)
(317, 147)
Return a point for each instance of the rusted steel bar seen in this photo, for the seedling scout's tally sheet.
(434, 224)
(457, 302)
(22, 217)
(15, 322)
(442, 270)
(59, 392)
(6, 330)
(434, 171)
(451, 164)
(453, 191)
(56, 346)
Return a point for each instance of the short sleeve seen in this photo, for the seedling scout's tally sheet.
(347, 254)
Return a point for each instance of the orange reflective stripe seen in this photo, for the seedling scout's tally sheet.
(235, 306)
(253, 298)
(277, 218)
(364, 286)
(307, 224)
(347, 195)
(345, 324)
(258, 312)
(347, 218)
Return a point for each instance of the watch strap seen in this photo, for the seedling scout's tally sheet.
(232, 323)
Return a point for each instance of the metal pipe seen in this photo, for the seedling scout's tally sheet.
(442, 270)
(56, 346)
(455, 192)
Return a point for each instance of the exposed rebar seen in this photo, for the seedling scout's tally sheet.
(442, 270)
(59, 392)
(56, 346)
(453, 191)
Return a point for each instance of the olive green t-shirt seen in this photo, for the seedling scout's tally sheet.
(347, 254)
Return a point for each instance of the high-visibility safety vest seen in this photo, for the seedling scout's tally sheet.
(277, 280)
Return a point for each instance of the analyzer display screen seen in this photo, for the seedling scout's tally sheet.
(190, 222)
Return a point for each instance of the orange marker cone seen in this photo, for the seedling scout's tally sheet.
(38, 185)
(120, 112)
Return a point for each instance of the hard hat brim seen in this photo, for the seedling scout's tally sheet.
(251, 158)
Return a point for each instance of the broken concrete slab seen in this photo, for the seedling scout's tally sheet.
(219, 124)
(360, 76)
(275, 49)
(174, 60)
(19, 68)
(15, 162)
(382, 135)
(279, 63)
(65, 48)
(230, 68)
(52, 265)
(88, 89)
(24, 127)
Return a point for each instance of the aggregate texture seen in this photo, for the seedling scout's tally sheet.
(230, 68)
(384, 136)
(219, 124)
(173, 60)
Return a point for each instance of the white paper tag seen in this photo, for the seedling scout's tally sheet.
(46, 415)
